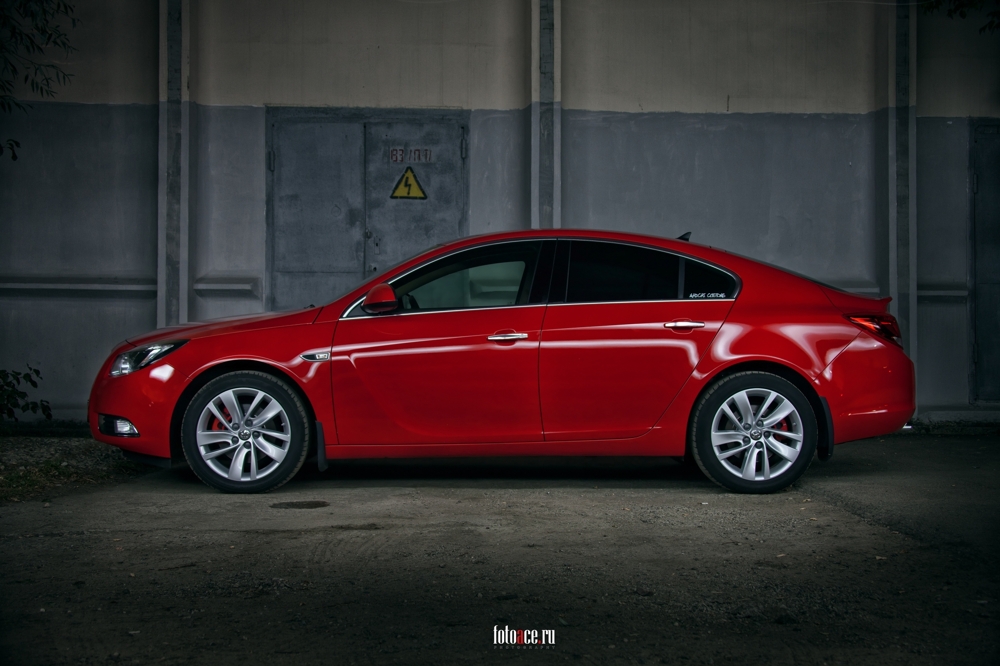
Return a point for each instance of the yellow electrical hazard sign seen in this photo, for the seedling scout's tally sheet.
(407, 187)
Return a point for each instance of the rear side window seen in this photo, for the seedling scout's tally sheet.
(606, 272)
(701, 281)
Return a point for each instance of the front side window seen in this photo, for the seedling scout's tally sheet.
(483, 277)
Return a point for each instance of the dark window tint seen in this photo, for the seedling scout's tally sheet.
(491, 276)
(703, 281)
(602, 272)
(543, 273)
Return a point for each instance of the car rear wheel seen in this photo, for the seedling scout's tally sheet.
(245, 432)
(754, 432)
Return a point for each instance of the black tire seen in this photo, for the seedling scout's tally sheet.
(731, 471)
(252, 443)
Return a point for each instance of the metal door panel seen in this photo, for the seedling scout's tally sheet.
(317, 230)
(401, 227)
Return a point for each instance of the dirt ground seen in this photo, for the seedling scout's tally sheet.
(886, 554)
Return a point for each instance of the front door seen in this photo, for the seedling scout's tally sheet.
(457, 363)
(624, 336)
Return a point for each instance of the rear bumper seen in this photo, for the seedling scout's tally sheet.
(870, 389)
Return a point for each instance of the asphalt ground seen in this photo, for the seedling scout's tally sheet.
(887, 554)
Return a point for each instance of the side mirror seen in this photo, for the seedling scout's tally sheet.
(380, 299)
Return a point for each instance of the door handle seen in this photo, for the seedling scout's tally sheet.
(682, 325)
(507, 337)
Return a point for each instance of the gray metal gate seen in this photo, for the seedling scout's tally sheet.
(416, 188)
(986, 211)
(316, 243)
(349, 198)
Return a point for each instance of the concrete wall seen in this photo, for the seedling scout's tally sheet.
(362, 53)
(767, 56)
(958, 83)
(78, 208)
(753, 125)
(763, 128)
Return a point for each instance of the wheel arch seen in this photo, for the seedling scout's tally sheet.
(210, 373)
(821, 409)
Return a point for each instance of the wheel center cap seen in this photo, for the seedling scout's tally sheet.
(753, 433)
(244, 434)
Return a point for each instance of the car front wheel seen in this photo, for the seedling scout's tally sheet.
(245, 432)
(754, 432)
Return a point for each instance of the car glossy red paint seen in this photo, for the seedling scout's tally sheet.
(539, 378)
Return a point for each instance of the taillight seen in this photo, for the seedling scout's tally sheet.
(882, 325)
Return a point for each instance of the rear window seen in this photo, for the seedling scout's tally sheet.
(701, 281)
(603, 272)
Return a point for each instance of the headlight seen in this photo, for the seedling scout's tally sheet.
(140, 357)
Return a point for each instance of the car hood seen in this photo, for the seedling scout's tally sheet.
(228, 325)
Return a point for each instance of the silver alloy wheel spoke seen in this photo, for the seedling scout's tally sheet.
(272, 452)
(272, 410)
(779, 413)
(256, 401)
(732, 417)
(236, 467)
(244, 451)
(233, 407)
(222, 419)
(210, 437)
(786, 452)
(743, 404)
(785, 434)
(750, 464)
(767, 403)
(275, 435)
(727, 437)
(252, 452)
(729, 453)
(752, 452)
(208, 455)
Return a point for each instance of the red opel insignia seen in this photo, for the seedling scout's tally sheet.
(528, 343)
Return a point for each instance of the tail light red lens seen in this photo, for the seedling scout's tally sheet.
(882, 325)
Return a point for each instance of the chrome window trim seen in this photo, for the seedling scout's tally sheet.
(736, 278)
(408, 313)
(665, 300)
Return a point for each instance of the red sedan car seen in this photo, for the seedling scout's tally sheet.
(529, 343)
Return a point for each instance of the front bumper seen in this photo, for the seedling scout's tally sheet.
(144, 397)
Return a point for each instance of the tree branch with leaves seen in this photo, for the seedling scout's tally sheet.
(961, 9)
(30, 30)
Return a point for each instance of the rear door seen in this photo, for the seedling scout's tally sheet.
(625, 327)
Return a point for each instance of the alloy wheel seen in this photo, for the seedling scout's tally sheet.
(757, 434)
(243, 434)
